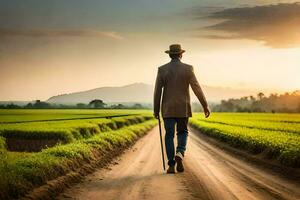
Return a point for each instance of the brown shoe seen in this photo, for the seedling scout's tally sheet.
(179, 162)
(171, 170)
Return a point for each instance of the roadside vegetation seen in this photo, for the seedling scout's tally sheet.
(79, 142)
(277, 136)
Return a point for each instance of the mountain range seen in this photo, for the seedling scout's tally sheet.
(140, 93)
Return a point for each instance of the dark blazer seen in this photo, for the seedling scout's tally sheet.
(172, 82)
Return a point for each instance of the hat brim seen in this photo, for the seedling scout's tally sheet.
(174, 52)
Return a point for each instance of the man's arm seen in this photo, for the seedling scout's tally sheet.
(157, 94)
(198, 92)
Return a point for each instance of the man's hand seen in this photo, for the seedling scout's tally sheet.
(156, 115)
(206, 112)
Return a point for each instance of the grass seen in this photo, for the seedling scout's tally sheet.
(275, 134)
(2, 145)
(21, 172)
(67, 131)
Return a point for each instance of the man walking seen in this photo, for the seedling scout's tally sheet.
(173, 80)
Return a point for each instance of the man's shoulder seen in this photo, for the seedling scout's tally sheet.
(187, 67)
(162, 67)
(167, 65)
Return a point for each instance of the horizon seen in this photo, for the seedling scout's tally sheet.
(238, 94)
(46, 51)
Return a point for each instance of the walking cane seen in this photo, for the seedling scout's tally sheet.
(161, 144)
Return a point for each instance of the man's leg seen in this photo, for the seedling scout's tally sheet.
(182, 134)
(169, 124)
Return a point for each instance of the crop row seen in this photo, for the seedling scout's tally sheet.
(255, 123)
(20, 174)
(2, 145)
(281, 145)
(25, 115)
(67, 131)
(265, 117)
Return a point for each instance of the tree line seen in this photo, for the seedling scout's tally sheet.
(94, 104)
(282, 103)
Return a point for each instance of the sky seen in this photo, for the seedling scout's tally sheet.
(53, 47)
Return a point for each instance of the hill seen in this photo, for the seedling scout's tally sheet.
(139, 92)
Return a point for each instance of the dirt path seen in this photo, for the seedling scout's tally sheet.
(210, 174)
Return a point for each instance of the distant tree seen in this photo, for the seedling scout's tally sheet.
(41, 104)
(227, 106)
(287, 102)
(260, 96)
(97, 103)
(273, 95)
(137, 106)
(81, 105)
(118, 106)
(252, 98)
(12, 106)
(29, 105)
(244, 98)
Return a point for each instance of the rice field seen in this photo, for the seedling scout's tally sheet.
(277, 135)
(38, 115)
(40, 145)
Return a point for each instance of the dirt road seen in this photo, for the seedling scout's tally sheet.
(210, 174)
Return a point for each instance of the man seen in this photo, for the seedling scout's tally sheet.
(173, 80)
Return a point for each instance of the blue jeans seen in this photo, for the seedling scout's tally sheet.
(182, 133)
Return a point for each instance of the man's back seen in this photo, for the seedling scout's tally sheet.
(175, 78)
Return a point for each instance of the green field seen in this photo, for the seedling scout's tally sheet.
(275, 135)
(40, 145)
(76, 137)
(27, 115)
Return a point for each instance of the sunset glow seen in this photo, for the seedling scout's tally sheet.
(58, 52)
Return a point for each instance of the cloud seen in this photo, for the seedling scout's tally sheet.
(35, 33)
(277, 26)
(200, 11)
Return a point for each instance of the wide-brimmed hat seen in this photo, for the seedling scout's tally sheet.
(175, 49)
